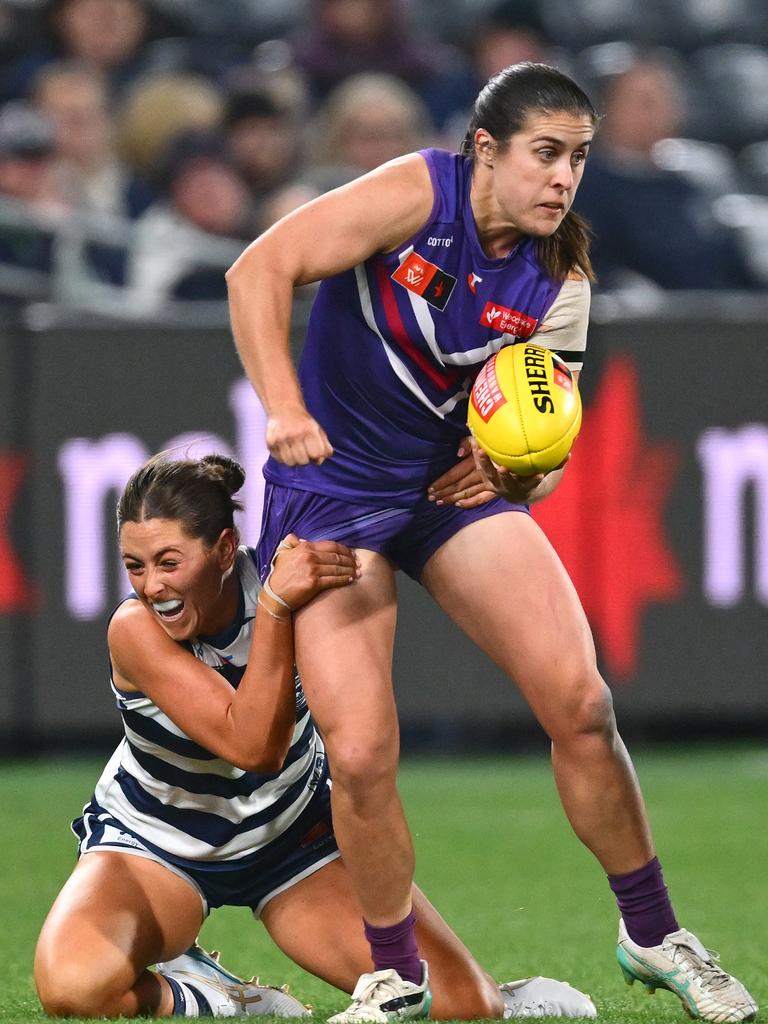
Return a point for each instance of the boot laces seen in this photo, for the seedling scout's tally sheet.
(712, 975)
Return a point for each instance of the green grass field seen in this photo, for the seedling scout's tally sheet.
(494, 853)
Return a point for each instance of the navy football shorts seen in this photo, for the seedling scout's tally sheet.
(308, 845)
(408, 537)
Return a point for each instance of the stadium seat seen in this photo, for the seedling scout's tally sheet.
(747, 215)
(734, 78)
(753, 165)
(692, 24)
(596, 21)
(236, 20)
(708, 165)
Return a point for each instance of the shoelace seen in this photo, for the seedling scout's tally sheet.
(382, 988)
(713, 976)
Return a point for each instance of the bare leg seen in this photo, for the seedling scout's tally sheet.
(344, 642)
(317, 924)
(116, 915)
(519, 606)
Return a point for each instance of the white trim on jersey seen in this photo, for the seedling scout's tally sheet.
(423, 314)
(399, 368)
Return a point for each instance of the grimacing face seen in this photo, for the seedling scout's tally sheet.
(178, 578)
(535, 176)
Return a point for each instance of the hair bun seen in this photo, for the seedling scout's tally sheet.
(225, 471)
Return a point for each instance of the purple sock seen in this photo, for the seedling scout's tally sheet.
(644, 904)
(394, 946)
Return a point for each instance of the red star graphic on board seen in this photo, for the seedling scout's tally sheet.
(16, 592)
(606, 518)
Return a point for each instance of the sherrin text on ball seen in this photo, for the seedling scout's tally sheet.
(525, 409)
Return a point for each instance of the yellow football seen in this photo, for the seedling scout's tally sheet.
(525, 409)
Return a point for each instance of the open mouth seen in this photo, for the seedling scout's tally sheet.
(169, 611)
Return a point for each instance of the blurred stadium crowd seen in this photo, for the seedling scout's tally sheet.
(142, 142)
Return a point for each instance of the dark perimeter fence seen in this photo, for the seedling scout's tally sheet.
(662, 520)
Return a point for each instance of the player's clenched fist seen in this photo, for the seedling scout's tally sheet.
(295, 438)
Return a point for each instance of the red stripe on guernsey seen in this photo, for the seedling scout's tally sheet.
(400, 335)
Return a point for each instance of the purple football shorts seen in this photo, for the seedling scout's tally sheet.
(408, 537)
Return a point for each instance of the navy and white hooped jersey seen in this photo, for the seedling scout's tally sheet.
(393, 346)
(184, 801)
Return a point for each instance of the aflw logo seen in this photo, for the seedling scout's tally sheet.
(425, 279)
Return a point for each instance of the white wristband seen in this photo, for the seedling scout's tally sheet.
(282, 546)
(275, 597)
(278, 618)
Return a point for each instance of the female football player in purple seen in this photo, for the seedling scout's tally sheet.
(429, 265)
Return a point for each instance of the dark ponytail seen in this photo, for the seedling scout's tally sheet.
(502, 108)
(197, 493)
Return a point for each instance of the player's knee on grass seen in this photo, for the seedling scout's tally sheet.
(67, 987)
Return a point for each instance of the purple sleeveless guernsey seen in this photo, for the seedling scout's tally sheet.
(394, 344)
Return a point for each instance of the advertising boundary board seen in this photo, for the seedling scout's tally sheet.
(662, 521)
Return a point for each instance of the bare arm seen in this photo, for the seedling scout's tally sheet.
(250, 727)
(329, 235)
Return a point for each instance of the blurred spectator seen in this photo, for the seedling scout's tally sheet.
(26, 154)
(87, 170)
(159, 109)
(203, 196)
(265, 138)
(272, 66)
(202, 185)
(27, 147)
(341, 38)
(284, 201)
(650, 224)
(106, 35)
(509, 32)
(366, 121)
(13, 36)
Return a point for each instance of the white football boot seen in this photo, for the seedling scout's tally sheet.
(682, 965)
(226, 994)
(544, 997)
(383, 996)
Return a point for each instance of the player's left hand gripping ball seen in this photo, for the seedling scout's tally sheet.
(525, 409)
